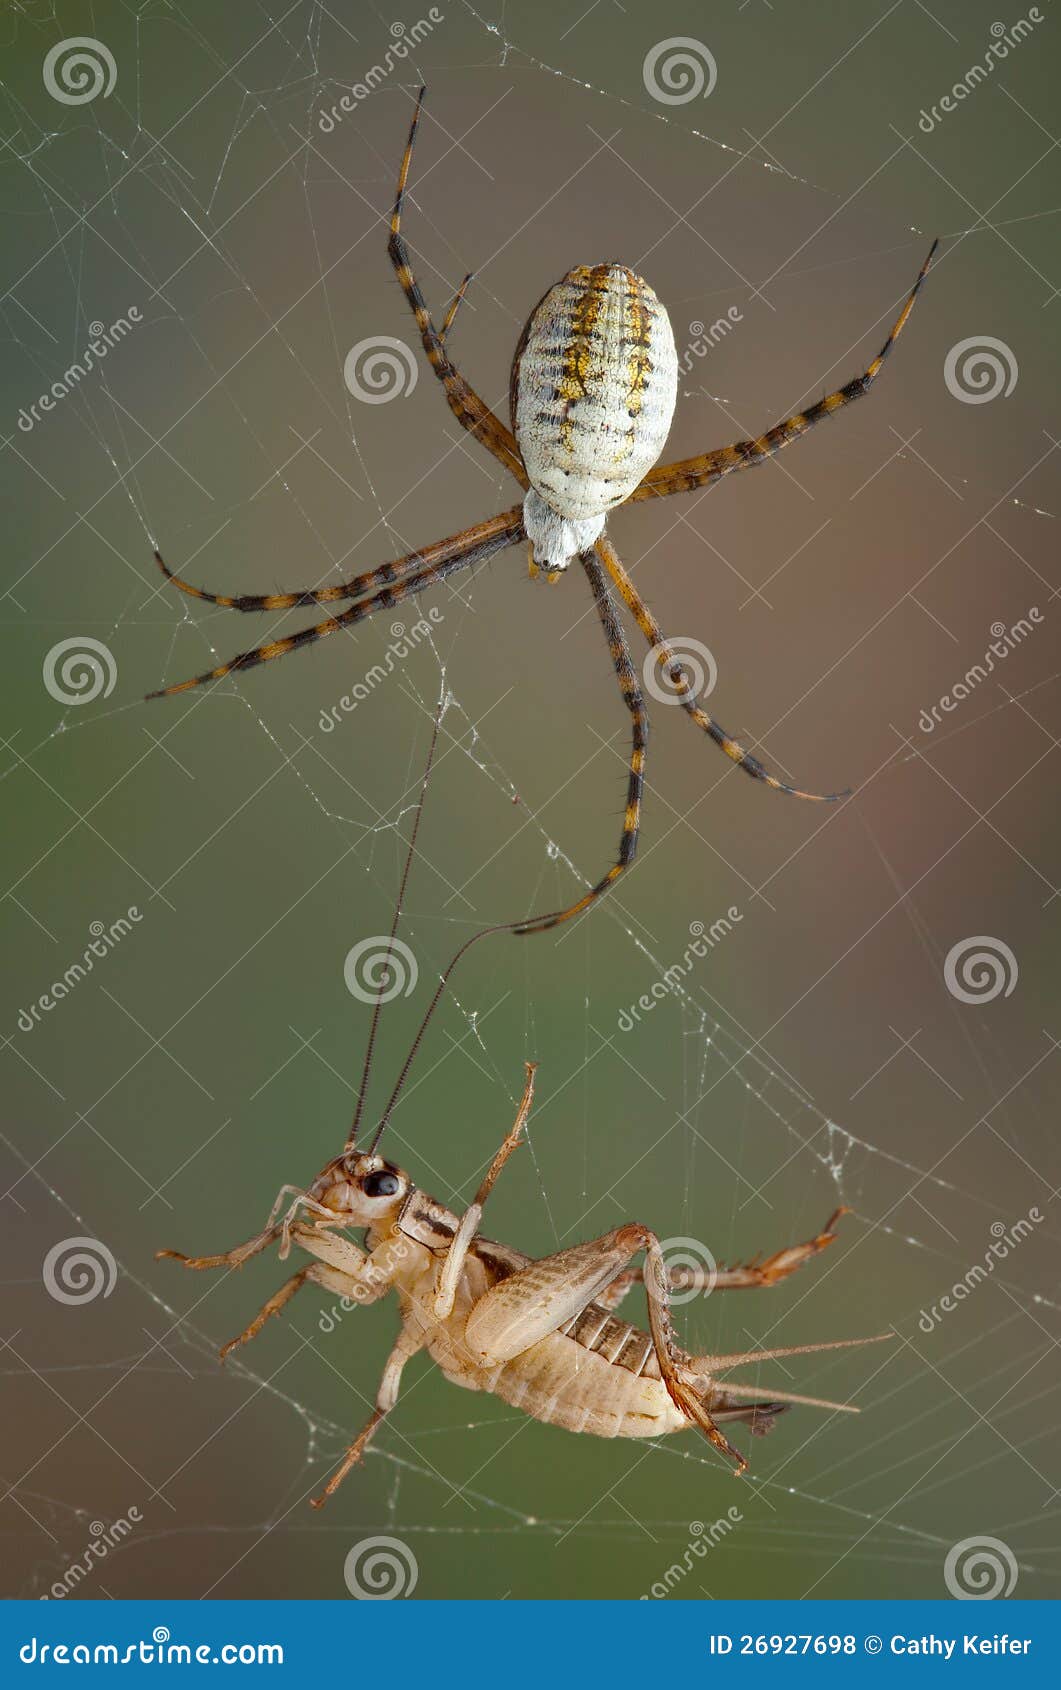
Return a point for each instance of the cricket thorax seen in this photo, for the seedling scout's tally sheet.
(594, 384)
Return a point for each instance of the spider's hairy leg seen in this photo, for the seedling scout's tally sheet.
(668, 658)
(458, 301)
(473, 551)
(470, 411)
(635, 703)
(687, 473)
(384, 575)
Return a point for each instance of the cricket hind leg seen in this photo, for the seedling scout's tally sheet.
(746, 1276)
(541, 1297)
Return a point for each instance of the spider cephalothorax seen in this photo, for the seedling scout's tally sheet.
(592, 394)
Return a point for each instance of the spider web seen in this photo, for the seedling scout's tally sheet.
(727, 1118)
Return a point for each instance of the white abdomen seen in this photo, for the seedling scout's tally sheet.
(593, 389)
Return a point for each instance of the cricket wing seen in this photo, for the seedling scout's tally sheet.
(530, 1304)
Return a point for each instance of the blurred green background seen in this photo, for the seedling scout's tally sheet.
(815, 1057)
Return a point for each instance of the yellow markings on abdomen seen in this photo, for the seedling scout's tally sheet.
(594, 389)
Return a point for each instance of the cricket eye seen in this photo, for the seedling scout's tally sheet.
(380, 1184)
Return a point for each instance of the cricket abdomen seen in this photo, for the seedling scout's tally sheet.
(598, 1374)
(594, 382)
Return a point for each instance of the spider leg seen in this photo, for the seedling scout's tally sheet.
(458, 300)
(635, 703)
(464, 402)
(686, 696)
(682, 476)
(384, 576)
(474, 552)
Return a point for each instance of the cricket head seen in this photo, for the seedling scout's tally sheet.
(362, 1189)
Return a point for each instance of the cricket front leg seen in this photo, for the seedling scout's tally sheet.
(453, 1265)
(317, 1273)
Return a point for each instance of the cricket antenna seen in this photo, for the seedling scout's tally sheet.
(498, 927)
(409, 855)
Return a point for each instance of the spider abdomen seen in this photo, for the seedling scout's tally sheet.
(594, 383)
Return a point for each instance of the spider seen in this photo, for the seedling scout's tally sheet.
(592, 393)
